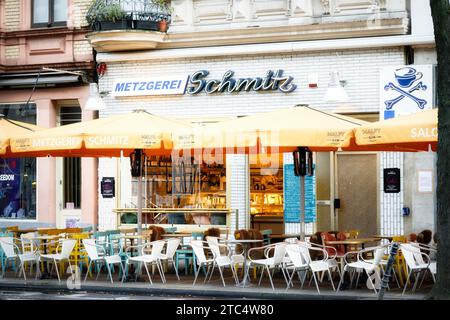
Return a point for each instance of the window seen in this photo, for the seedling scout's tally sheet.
(71, 166)
(18, 175)
(49, 13)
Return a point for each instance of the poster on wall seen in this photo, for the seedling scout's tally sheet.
(391, 180)
(10, 195)
(405, 90)
(292, 197)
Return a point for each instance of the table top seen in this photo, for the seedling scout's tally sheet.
(243, 241)
(131, 237)
(353, 241)
(176, 235)
(47, 237)
(384, 237)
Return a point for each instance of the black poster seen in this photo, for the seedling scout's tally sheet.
(392, 180)
(107, 187)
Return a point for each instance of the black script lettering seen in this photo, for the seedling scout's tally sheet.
(197, 81)
(227, 81)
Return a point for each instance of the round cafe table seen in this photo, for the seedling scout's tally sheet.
(245, 244)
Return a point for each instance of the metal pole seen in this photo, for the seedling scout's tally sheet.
(139, 203)
(302, 207)
(387, 273)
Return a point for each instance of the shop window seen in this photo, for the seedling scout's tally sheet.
(49, 13)
(71, 176)
(18, 175)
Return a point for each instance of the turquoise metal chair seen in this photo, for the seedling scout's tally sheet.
(5, 233)
(266, 236)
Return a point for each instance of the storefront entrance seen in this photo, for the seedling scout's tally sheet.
(358, 193)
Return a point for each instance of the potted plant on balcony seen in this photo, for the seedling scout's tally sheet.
(104, 17)
(146, 21)
(165, 10)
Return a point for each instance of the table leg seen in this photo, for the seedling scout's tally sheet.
(244, 283)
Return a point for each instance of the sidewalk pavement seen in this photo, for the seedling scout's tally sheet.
(209, 290)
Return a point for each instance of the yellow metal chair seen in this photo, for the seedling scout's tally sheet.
(79, 255)
(400, 265)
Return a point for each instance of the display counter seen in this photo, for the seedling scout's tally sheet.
(274, 222)
(210, 217)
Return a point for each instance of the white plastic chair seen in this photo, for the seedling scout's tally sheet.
(12, 252)
(154, 258)
(171, 248)
(269, 263)
(296, 263)
(97, 254)
(415, 263)
(317, 266)
(370, 267)
(222, 258)
(198, 246)
(66, 246)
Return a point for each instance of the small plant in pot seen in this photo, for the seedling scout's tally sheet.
(165, 10)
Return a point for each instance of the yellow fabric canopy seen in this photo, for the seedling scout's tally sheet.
(417, 131)
(11, 128)
(281, 130)
(105, 137)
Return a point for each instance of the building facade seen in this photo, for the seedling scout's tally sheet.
(45, 66)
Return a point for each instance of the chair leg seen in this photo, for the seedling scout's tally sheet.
(176, 268)
(341, 281)
(221, 275)
(406, 284)
(87, 271)
(270, 278)
(57, 271)
(109, 272)
(331, 279)
(290, 280)
(315, 280)
(148, 274)
(196, 275)
(261, 276)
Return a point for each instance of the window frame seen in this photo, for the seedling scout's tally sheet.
(51, 13)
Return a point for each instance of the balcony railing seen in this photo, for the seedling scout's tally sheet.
(129, 14)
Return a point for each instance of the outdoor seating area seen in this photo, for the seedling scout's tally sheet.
(121, 256)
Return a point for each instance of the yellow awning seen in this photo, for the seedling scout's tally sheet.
(11, 128)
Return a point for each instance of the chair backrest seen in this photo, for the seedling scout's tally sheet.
(295, 255)
(197, 247)
(279, 253)
(27, 242)
(91, 248)
(304, 250)
(325, 238)
(213, 243)
(157, 247)
(408, 254)
(157, 232)
(67, 247)
(378, 255)
(172, 246)
(7, 244)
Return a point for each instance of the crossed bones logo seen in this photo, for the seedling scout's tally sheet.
(405, 83)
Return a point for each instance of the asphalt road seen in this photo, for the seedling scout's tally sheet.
(82, 295)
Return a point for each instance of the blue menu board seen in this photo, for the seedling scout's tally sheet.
(291, 190)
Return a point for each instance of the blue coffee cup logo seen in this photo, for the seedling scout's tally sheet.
(407, 76)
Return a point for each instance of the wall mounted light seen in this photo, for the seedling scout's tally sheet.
(336, 92)
(94, 101)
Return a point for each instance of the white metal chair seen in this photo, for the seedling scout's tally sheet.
(370, 267)
(296, 263)
(415, 263)
(269, 263)
(223, 257)
(317, 266)
(155, 248)
(198, 246)
(12, 252)
(66, 246)
(97, 254)
(171, 248)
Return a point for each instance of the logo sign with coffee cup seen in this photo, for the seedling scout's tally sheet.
(405, 90)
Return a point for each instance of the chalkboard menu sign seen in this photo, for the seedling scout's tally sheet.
(107, 187)
(391, 178)
(291, 189)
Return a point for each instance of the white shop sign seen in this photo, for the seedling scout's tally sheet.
(405, 90)
(168, 85)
